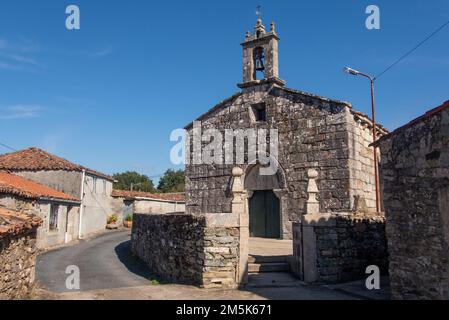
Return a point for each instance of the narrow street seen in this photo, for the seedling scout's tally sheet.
(104, 262)
(109, 271)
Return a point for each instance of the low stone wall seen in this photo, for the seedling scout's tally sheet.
(17, 254)
(337, 248)
(189, 249)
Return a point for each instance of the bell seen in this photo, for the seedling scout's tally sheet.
(259, 56)
(259, 65)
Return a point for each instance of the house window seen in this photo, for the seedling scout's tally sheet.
(104, 186)
(260, 112)
(94, 185)
(53, 223)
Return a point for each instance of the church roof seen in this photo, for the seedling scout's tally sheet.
(358, 115)
(217, 107)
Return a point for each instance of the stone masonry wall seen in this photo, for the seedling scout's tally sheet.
(361, 163)
(345, 250)
(332, 248)
(182, 248)
(313, 133)
(17, 264)
(415, 176)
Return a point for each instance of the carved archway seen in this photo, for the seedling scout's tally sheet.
(254, 181)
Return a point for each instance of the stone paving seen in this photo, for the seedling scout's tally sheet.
(270, 247)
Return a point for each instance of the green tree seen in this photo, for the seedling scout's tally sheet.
(172, 181)
(131, 180)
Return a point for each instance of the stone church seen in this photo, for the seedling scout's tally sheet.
(315, 134)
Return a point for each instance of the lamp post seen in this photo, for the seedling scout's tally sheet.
(373, 111)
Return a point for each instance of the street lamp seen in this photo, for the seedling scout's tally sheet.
(373, 111)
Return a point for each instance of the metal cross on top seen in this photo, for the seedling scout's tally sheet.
(259, 12)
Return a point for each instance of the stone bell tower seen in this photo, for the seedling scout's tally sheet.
(260, 57)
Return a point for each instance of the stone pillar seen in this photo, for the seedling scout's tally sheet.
(239, 208)
(313, 206)
(307, 242)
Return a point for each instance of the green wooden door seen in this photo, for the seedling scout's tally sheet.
(264, 219)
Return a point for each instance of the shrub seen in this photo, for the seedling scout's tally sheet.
(113, 219)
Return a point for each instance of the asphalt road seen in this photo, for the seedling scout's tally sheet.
(104, 262)
(109, 271)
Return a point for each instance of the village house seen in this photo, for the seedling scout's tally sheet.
(129, 202)
(59, 212)
(322, 193)
(414, 171)
(17, 253)
(92, 188)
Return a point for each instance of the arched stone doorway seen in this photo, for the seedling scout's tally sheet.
(245, 184)
(265, 195)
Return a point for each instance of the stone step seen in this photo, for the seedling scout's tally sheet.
(267, 259)
(268, 267)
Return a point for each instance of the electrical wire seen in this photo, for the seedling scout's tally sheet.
(412, 50)
(7, 147)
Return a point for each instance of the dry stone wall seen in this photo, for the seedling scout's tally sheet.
(345, 250)
(17, 263)
(336, 248)
(184, 248)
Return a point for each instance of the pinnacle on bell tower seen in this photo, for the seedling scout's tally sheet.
(260, 56)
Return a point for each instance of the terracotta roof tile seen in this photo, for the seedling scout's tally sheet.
(13, 222)
(156, 196)
(35, 159)
(21, 187)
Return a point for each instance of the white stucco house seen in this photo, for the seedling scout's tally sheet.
(92, 188)
(130, 202)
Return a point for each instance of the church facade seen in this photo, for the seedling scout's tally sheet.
(311, 132)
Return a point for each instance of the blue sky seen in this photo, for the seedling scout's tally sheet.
(107, 96)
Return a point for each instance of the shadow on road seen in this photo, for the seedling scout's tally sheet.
(131, 262)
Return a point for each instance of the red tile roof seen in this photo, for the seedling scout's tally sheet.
(13, 222)
(21, 187)
(413, 122)
(35, 159)
(180, 197)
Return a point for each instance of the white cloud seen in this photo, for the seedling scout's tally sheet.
(20, 112)
(9, 66)
(101, 53)
(17, 56)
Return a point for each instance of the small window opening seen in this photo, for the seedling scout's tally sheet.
(260, 112)
(53, 223)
